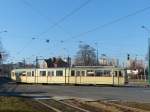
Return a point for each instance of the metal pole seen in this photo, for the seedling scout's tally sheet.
(149, 60)
(145, 73)
(148, 53)
(96, 53)
(97, 56)
(36, 61)
(24, 63)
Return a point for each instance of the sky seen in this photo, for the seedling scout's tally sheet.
(52, 20)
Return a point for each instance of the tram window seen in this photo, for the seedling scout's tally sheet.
(90, 73)
(59, 73)
(32, 73)
(50, 73)
(82, 73)
(28, 73)
(77, 73)
(107, 73)
(120, 74)
(115, 74)
(20, 73)
(43, 73)
(23, 73)
(13, 74)
(72, 73)
(16, 73)
(98, 73)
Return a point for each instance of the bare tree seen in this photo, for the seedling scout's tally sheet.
(86, 56)
(3, 54)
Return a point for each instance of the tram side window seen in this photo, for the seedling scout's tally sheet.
(82, 73)
(29, 74)
(90, 73)
(72, 73)
(50, 73)
(98, 73)
(23, 73)
(107, 73)
(16, 73)
(20, 73)
(116, 74)
(42, 73)
(59, 73)
(13, 74)
(77, 73)
(32, 74)
(120, 74)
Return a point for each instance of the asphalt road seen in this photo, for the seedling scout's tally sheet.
(138, 94)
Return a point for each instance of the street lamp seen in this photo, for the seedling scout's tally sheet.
(144, 27)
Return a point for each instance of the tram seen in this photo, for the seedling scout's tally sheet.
(93, 75)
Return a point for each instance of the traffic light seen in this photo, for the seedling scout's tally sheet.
(0, 56)
(47, 40)
(128, 56)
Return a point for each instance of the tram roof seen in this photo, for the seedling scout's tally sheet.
(77, 67)
(96, 67)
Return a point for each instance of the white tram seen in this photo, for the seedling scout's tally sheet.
(71, 75)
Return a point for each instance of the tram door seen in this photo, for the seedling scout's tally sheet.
(34, 75)
(31, 76)
(78, 77)
(117, 78)
(18, 77)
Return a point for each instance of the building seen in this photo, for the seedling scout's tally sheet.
(107, 61)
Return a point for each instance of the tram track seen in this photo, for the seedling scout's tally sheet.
(124, 107)
(115, 107)
(76, 105)
(60, 106)
(48, 106)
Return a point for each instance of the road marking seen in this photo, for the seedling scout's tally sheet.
(48, 106)
(133, 109)
(73, 106)
(39, 99)
(146, 91)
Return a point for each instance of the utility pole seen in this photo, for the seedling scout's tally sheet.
(24, 63)
(97, 57)
(36, 62)
(144, 27)
(96, 53)
(149, 60)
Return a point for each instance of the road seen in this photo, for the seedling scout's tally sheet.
(138, 94)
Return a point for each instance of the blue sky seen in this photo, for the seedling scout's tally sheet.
(27, 19)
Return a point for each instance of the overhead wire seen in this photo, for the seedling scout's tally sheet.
(110, 23)
(57, 23)
(97, 27)
(62, 19)
(25, 46)
(44, 16)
